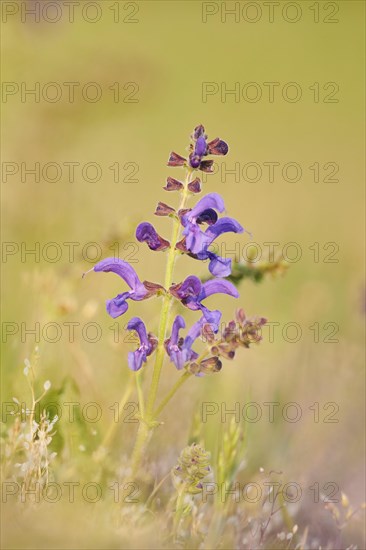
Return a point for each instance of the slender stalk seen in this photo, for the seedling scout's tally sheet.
(141, 439)
(170, 394)
(140, 394)
(149, 419)
(176, 387)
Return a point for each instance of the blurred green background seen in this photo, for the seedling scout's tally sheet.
(168, 54)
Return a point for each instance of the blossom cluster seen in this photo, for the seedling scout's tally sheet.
(195, 231)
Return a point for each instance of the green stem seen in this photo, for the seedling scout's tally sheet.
(141, 439)
(140, 394)
(170, 394)
(148, 420)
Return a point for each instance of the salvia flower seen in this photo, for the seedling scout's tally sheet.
(203, 212)
(148, 343)
(197, 242)
(180, 349)
(218, 266)
(191, 292)
(139, 290)
(146, 233)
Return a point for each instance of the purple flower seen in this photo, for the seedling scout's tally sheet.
(147, 344)
(145, 232)
(197, 241)
(219, 267)
(179, 349)
(139, 291)
(191, 292)
(204, 211)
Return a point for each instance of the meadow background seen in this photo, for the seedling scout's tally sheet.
(168, 53)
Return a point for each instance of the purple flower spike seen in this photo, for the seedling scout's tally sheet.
(118, 305)
(145, 233)
(179, 349)
(136, 358)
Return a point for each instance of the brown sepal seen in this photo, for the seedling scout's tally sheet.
(153, 288)
(163, 209)
(206, 166)
(176, 160)
(173, 184)
(195, 186)
(181, 245)
(217, 147)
